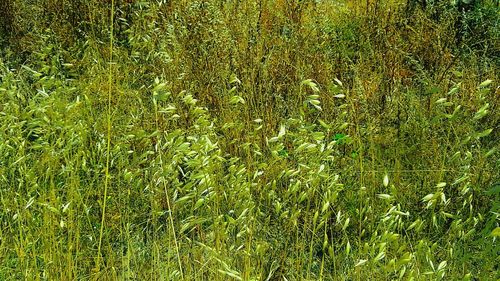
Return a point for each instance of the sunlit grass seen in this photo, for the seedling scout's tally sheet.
(256, 140)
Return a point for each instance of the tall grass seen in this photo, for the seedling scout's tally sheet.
(254, 140)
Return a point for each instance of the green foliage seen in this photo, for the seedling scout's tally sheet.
(248, 140)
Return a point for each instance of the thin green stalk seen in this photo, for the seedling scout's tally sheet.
(311, 246)
(322, 259)
(170, 217)
(108, 146)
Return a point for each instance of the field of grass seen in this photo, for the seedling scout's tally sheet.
(249, 140)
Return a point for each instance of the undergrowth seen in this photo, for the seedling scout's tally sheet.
(249, 140)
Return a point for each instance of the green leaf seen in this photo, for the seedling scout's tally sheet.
(454, 90)
(442, 265)
(282, 131)
(428, 197)
(318, 136)
(380, 256)
(283, 153)
(231, 273)
(236, 100)
(159, 87)
(360, 263)
(346, 224)
(325, 207)
(441, 100)
(490, 152)
(338, 82)
(484, 133)
(311, 85)
(323, 124)
(485, 83)
(199, 203)
(161, 96)
(386, 180)
(496, 232)
(339, 138)
(441, 185)
(234, 79)
(384, 196)
(483, 111)
(495, 190)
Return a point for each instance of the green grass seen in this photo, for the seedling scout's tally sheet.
(248, 140)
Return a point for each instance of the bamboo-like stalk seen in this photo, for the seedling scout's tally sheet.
(108, 145)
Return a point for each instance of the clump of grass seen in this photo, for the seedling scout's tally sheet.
(263, 140)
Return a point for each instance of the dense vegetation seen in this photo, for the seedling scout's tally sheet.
(249, 140)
